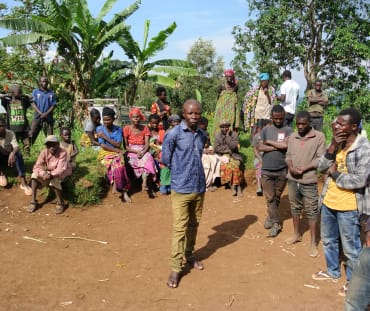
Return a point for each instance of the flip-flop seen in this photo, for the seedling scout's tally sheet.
(173, 279)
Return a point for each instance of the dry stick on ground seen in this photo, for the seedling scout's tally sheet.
(33, 239)
(76, 238)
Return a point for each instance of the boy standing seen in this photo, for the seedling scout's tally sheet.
(304, 150)
(16, 106)
(43, 102)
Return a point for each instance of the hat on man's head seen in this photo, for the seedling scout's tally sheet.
(51, 139)
(264, 76)
(225, 123)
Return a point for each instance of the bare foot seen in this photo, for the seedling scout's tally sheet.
(313, 251)
(173, 279)
(196, 264)
(126, 198)
(293, 239)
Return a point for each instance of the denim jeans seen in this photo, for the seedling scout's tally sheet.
(358, 294)
(344, 227)
(273, 184)
(19, 163)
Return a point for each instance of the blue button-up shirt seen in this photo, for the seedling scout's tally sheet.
(182, 152)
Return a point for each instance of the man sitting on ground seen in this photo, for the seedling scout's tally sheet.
(51, 167)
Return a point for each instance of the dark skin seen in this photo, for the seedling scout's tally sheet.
(44, 85)
(54, 149)
(192, 112)
(66, 137)
(96, 120)
(265, 86)
(303, 126)
(270, 145)
(318, 89)
(136, 128)
(108, 124)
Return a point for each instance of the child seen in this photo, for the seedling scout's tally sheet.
(11, 156)
(226, 146)
(16, 106)
(69, 146)
(89, 138)
(50, 169)
(210, 161)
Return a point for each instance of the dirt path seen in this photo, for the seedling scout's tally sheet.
(244, 270)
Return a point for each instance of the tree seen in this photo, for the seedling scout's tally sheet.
(202, 55)
(80, 37)
(328, 39)
(141, 69)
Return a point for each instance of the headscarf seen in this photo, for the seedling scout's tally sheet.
(109, 112)
(264, 76)
(229, 72)
(174, 117)
(138, 112)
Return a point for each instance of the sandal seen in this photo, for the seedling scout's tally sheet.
(60, 208)
(32, 207)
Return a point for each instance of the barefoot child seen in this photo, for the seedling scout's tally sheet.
(69, 146)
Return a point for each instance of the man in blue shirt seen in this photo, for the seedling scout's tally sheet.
(182, 152)
(43, 102)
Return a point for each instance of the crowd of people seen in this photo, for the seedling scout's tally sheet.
(173, 154)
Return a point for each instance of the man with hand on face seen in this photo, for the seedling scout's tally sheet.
(305, 148)
(345, 195)
(182, 151)
(273, 144)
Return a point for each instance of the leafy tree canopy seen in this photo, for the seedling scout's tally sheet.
(328, 39)
(203, 56)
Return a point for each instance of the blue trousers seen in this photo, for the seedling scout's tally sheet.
(340, 226)
(19, 163)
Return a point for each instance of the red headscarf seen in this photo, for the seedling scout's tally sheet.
(138, 112)
(229, 72)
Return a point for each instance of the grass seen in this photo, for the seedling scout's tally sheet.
(85, 186)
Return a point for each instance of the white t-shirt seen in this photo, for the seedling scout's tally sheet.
(291, 90)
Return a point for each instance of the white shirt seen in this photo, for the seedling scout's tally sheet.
(290, 89)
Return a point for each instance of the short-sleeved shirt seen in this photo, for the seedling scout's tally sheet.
(17, 113)
(89, 126)
(115, 134)
(274, 160)
(44, 100)
(138, 138)
(9, 141)
(290, 89)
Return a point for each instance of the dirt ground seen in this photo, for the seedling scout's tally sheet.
(244, 269)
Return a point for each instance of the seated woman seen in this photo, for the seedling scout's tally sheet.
(89, 138)
(226, 146)
(111, 155)
(136, 138)
(210, 161)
